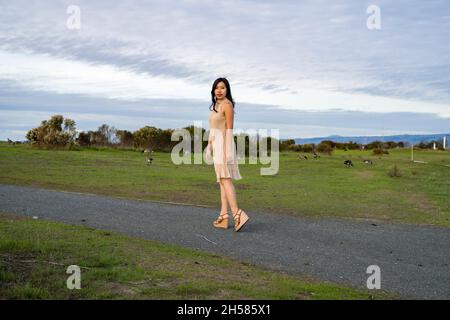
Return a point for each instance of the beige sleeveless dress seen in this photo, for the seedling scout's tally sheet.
(217, 135)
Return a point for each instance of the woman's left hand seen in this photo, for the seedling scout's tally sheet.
(208, 155)
(230, 159)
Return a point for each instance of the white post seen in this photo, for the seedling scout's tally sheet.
(445, 138)
(412, 152)
(434, 145)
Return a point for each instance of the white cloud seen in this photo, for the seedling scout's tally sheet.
(41, 72)
(308, 55)
(46, 73)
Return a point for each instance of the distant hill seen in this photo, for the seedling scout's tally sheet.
(415, 139)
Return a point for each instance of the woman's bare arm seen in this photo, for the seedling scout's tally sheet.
(229, 119)
(229, 114)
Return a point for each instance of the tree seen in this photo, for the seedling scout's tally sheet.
(146, 137)
(351, 145)
(125, 138)
(69, 127)
(325, 147)
(165, 142)
(375, 145)
(390, 144)
(51, 133)
(105, 135)
(308, 147)
(332, 144)
(84, 138)
(286, 144)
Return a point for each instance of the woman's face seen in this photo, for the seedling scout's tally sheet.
(221, 90)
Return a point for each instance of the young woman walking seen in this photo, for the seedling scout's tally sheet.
(222, 145)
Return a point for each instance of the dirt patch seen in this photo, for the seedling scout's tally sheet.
(11, 216)
(119, 289)
(364, 175)
(416, 200)
(304, 295)
(13, 263)
(422, 203)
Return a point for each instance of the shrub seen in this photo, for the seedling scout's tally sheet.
(394, 171)
(379, 152)
(325, 147)
(375, 145)
(307, 147)
(51, 134)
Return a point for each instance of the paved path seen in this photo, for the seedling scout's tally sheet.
(414, 260)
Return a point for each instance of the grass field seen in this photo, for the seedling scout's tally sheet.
(35, 254)
(319, 188)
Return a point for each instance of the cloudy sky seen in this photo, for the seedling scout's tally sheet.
(308, 68)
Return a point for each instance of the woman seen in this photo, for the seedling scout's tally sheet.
(224, 152)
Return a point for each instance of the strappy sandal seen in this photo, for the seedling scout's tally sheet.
(240, 218)
(221, 221)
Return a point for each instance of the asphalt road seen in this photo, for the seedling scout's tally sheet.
(413, 260)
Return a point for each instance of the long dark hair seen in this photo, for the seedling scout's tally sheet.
(228, 95)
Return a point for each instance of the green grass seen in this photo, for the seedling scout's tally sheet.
(35, 254)
(314, 188)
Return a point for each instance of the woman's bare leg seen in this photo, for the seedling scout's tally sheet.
(241, 218)
(230, 193)
(223, 199)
